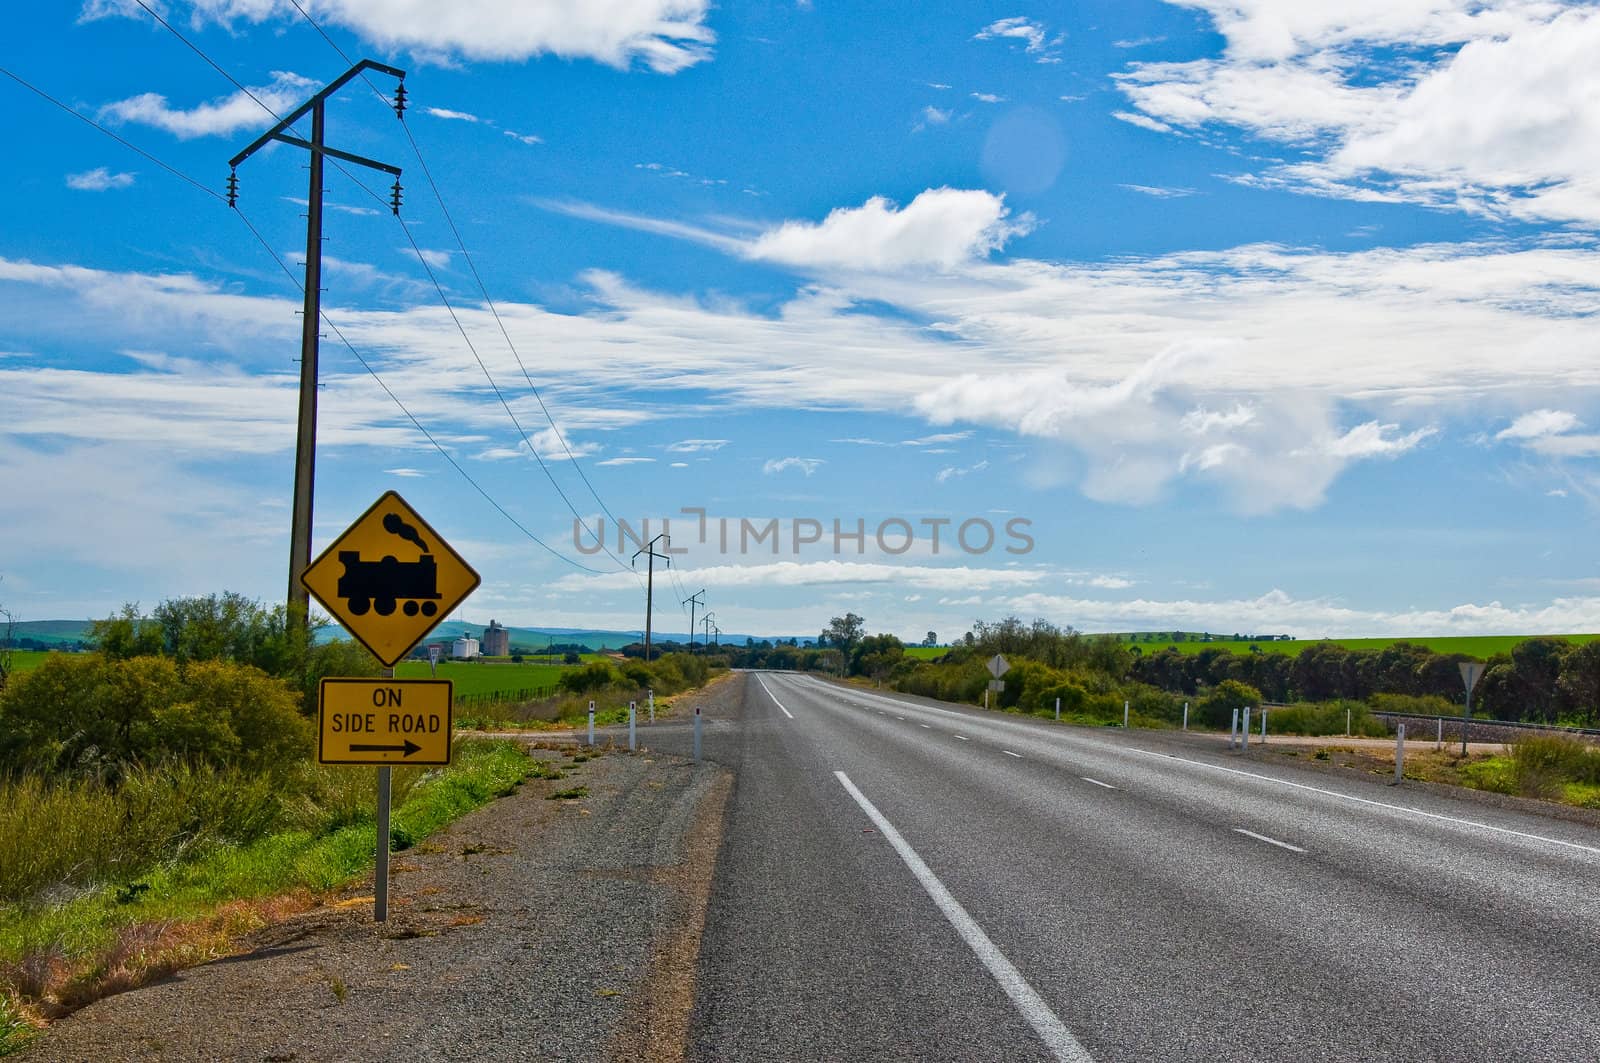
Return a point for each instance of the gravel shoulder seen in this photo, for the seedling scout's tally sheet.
(531, 929)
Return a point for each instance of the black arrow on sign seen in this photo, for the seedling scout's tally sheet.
(409, 748)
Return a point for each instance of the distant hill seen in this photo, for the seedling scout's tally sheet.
(67, 633)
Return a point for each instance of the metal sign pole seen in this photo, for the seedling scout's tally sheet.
(380, 874)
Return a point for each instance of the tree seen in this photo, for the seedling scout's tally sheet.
(932, 639)
(8, 625)
(876, 656)
(842, 633)
(1580, 683)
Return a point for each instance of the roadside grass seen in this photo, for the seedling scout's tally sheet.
(119, 928)
(927, 653)
(1555, 768)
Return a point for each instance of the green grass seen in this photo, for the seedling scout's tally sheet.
(28, 660)
(927, 653)
(1480, 646)
(487, 677)
(114, 930)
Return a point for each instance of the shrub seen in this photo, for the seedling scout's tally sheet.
(89, 715)
(1216, 708)
(596, 675)
(1542, 764)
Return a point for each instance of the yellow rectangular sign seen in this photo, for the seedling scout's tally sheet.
(384, 721)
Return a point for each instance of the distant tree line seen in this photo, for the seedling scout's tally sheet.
(1541, 680)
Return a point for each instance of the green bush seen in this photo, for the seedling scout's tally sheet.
(596, 675)
(1216, 708)
(1542, 763)
(1415, 705)
(1324, 718)
(88, 715)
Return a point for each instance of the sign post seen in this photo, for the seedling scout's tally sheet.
(1471, 672)
(388, 604)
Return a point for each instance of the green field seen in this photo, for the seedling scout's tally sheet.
(1479, 646)
(28, 660)
(486, 677)
(927, 653)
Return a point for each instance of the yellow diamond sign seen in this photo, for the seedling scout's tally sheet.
(390, 578)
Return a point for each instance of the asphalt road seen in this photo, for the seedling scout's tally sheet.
(906, 880)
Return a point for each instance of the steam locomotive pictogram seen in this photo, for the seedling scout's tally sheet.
(411, 586)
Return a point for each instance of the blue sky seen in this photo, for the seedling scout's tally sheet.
(1264, 315)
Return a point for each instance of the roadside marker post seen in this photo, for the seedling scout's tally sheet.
(652, 694)
(1124, 715)
(1058, 710)
(1233, 731)
(697, 734)
(591, 723)
(1471, 672)
(1244, 731)
(632, 706)
(1438, 744)
(1347, 721)
(1399, 753)
(1186, 716)
(1263, 726)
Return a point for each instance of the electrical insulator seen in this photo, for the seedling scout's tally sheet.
(394, 197)
(400, 101)
(233, 187)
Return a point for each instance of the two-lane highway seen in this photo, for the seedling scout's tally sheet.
(907, 880)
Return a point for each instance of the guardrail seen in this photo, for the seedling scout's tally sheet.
(1477, 726)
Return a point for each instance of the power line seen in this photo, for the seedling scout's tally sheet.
(422, 259)
(325, 319)
(473, 266)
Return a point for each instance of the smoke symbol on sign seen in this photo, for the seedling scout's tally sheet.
(395, 526)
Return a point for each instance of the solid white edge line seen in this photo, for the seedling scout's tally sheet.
(1097, 782)
(1269, 841)
(924, 726)
(1008, 753)
(1375, 804)
(962, 737)
(1051, 1030)
(775, 701)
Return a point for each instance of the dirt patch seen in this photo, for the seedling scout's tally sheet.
(529, 929)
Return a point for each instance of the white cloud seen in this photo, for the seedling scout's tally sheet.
(664, 35)
(99, 179)
(1032, 35)
(1259, 372)
(988, 97)
(940, 228)
(436, 259)
(524, 138)
(1538, 423)
(1142, 121)
(932, 116)
(224, 115)
(947, 578)
(694, 446)
(805, 465)
(453, 116)
(1313, 617)
(626, 461)
(407, 473)
(1160, 193)
(1449, 103)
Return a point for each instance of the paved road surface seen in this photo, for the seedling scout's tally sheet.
(906, 880)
